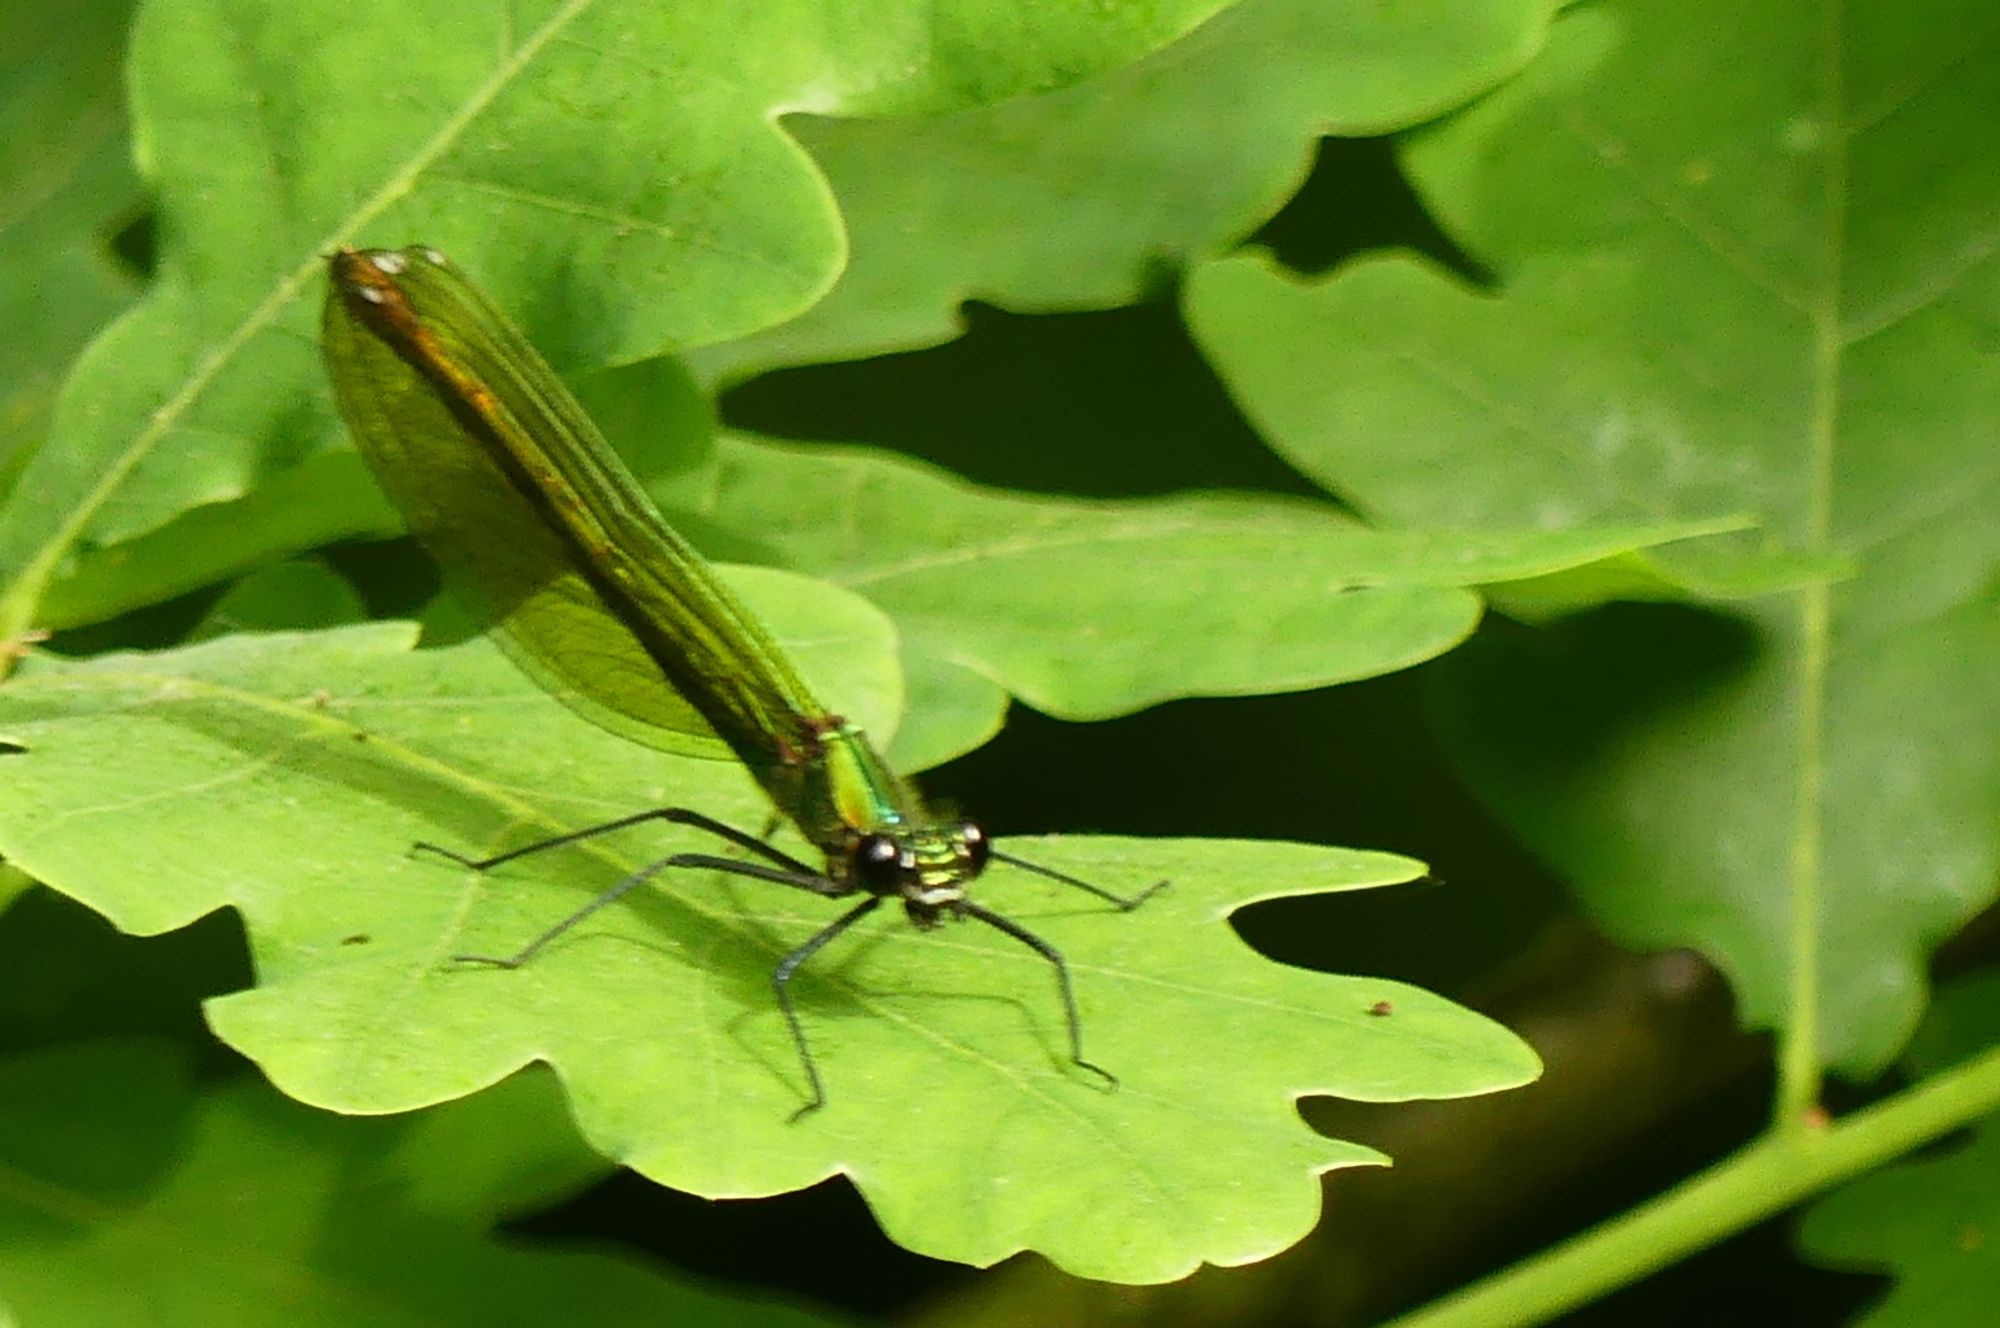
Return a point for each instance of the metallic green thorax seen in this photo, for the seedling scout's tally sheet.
(544, 532)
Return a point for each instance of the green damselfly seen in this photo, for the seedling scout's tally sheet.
(539, 526)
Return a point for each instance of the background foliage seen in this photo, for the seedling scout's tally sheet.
(1157, 366)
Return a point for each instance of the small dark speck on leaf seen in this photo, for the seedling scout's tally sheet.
(1380, 1008)
(358, 938)
(11, 748)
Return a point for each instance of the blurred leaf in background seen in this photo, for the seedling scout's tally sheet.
(1932, 1223)
(1749, 299)
(65, 159)
(138, 1195)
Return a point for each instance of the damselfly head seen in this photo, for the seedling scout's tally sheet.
(927, 867)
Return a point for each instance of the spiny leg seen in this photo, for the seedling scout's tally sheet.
(675, 815)
(803, 880)
(781, 978)
(1054, 956)
(1125, 904)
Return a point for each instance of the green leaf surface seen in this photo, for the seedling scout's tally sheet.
(1077, 198)
(286, 777)
(324, 498)
(1773, 294)
(1642, 576)
(65, 188)
(13, 881)
(296, 596)
(505, 134)
(133, 1196)
(1087, 610)
(1062, 603)
(652, 408)
(1933, 1223)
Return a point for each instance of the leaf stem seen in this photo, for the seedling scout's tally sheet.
(1769, 1176)
(1799, 1050)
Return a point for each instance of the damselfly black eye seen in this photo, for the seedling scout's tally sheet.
(878, 863)
(977, 847)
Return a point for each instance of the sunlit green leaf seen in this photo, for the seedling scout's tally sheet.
(286, 777)
(504, 134)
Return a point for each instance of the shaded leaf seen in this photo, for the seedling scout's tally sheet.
(13, 881)
(1078, 198)
(1774, 297)
(1082, 609)
(1087, 610)
(65, 187)
(1933, 1223)
(322, 499)
(294, 596)
(134, 1197)
(649, 410)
